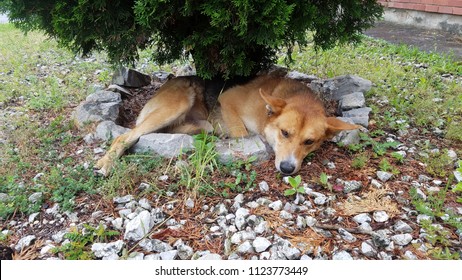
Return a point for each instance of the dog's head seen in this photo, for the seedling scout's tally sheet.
(297, 126)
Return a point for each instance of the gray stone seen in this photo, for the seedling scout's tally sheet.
(384, 256)
(35, 197)
(301, 222)
(380, 216)
(458, 176)
(189, 203)
(352, 101)
(186, 70)
(33, 216)
(152, 257)
(24, 242)
(291, 253)
(58, 237)
(310, 221)
(155, 245)
(166, 145)
(130, 78)
(107, 249)
(46, 249)
(410, 256)
(100, 106)
(384, 176)
(221, 210)
(276, 205)
(241, 215)
(352, 186)
(261, 244)
(358, 116)
(376, 184)
(335, 88)
(261, 227)
(145, 204)
(137, 228)
(402, 239)
(421, 194)
(4, 197)
(362, 218)
(295, 75)
(185, 252)
(169, 255)
(107, 130)
(245, 248)
(285, 215)
(402, 227)
(263, 185)
(116, 88)
(367, 249)
(123, 199)
(53, 210)
(242, 148)
(342, 256)
(103, 96)
(380, 239)
(210, 257)
(236, 238)
(346, 235)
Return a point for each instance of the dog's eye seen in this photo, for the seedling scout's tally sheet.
(308, 142)
(284, 133)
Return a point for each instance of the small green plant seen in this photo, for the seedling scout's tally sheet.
(458, 188)
(378, 148)
(386, 166)
(295, 186)
(80, 240)
(438, 164)
(203, 162)
(398, 157)
(324, 181)
(17, 201)
(360, 161)
(244, 176)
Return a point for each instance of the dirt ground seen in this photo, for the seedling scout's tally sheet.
(424, 39)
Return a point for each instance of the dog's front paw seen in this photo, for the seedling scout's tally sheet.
(104, 166)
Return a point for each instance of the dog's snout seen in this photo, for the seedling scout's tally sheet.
(287, 167)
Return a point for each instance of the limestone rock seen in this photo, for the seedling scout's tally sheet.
(130, 78)
(243, 148)
(166, 145)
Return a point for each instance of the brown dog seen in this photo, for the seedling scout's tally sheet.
(285, 112)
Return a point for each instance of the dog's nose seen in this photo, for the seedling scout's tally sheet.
(287, 167)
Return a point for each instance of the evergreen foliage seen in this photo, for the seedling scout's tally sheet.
(224, 37)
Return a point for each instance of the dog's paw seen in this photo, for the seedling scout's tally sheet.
(102, 167)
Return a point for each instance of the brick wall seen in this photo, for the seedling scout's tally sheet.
(452, 7)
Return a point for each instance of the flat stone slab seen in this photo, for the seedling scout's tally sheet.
(107, 130)
(358, 116)
(163, 144)
(353, 100)
(243, 148)
(340, 86)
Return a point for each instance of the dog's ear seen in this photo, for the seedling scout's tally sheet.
(274, 105)
(335, 125)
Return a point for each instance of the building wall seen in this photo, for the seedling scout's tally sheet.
(450, 7)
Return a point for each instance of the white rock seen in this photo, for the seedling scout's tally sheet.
(402, 227)
(346, 235)
(376, 184)
(33, 216)
(123, 199)
(264, 187)
(46, 249)
(362, 218)
(189, 203)
(107, 249)
(402, 239)
(169, 255)
(310, 221)
(422, 217)
(261, 244)
(152, 257)
(410, 256)
(368, 250)
(24, 242)
(210, 257)
(285, 215)
(384, 176)
(276, 205)
(185, 252)
(245, 248)
(35, 197)
(137, 228)
(261, 227)
(380, 216)
(341, 256)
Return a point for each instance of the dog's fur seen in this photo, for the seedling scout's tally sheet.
(284, 111)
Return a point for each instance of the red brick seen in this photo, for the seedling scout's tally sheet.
(457, 11)
(427, 1)
(456, 3)
(445, 10)
(441, 2)
(431, 8)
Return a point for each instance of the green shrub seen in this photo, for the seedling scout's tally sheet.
(225, 38)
